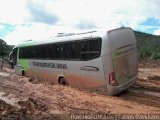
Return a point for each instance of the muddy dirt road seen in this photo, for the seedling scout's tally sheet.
(25, 96)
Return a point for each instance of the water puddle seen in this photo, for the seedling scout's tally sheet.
(4, 74)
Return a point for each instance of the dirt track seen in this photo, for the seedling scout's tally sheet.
(26, 96)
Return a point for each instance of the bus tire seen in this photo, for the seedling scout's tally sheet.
(63, 81)
(23, 73)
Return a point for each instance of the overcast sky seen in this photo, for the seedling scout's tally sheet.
(21, 20)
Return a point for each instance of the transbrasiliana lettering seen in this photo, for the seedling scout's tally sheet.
(50, 65)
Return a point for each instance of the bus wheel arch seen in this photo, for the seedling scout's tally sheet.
(62, 81)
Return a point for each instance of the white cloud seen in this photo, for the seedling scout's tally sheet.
(52, 16)
(41, 14)
(13, 12)
(129, 12)
(156, 32)
(36, 32)
(26, 32)
(103, 13)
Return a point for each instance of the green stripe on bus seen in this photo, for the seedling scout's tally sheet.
(25, 64)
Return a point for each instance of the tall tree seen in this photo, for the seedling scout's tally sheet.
(3, 48)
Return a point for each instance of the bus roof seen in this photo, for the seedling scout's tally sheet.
(61, 38)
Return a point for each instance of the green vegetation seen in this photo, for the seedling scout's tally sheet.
(148, 45)
(4, 48)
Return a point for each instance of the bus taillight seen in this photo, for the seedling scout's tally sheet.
(112, 79)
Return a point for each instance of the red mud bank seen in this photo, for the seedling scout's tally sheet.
(21, 96)
(149, 64)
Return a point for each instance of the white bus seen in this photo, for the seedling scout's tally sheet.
(98, 61)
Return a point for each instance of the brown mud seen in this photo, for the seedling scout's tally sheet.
(23, 96)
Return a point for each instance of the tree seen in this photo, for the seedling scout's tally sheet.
(3, 48)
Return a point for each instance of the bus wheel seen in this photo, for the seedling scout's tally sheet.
(63, 81)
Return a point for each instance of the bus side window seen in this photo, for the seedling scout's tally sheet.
(28, 52)
(44, 52)
(40, 51)
(75, 50)
(34, 52)
(94, 48)
(59, 51)
(68, 51)
(90, 49)
(84, 50)
(52, 51)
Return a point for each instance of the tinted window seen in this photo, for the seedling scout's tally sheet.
(59, 51)
(38, 52)
(94, 48)
(52, 51)
(84, 50)
(75, 50)
(90, 49)
(68, 50)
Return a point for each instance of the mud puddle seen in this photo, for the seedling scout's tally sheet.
(9, 98)
(4, 74)
(156, 94)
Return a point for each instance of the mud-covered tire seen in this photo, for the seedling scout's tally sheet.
(23, 73)
(63, 81)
